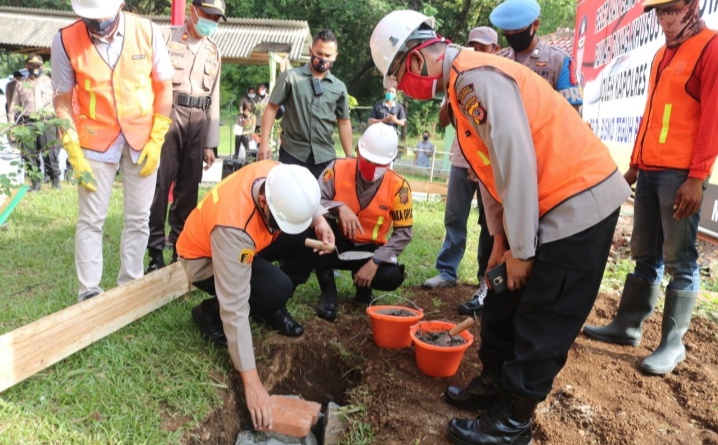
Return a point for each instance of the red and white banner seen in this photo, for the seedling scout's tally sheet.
(614, 45)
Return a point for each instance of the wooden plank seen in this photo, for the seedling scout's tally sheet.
(40, 344)
(433, 188)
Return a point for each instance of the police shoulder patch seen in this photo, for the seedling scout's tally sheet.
(328, 175)
(477, 112)
(466, 92)
(404, 195)
(246, 256)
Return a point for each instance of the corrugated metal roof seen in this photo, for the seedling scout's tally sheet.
(245, 41)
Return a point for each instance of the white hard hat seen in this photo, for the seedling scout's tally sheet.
(293, 196)
(379, 144)
(96, 9)
(391, 34)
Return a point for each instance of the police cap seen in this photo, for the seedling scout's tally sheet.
(515, 14)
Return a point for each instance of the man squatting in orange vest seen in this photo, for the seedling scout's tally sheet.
(115, 68)
(552, 195)
(224, 251)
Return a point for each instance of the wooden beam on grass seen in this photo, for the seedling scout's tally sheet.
(40, 344)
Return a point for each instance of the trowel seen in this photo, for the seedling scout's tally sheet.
(350, 255)
(446, 338)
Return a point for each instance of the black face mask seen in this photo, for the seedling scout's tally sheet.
(321, 65)
(103, 28)
(521, 40)
(426, 138)
(272, 223)
(35, 72)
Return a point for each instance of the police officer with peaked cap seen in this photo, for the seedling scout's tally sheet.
(195, 129)
(519, 22)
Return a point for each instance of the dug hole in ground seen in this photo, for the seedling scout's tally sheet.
(600, 397)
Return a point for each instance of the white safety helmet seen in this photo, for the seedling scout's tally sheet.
(379, 144)
(293, 196)
(96, 9)
(391, 34)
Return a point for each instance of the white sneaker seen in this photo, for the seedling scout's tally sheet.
(438, 281)
(481, 292)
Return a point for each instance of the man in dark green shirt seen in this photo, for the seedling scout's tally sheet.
(315, 103)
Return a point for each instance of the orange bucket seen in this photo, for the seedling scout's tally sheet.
(392, 331)
(438, 361)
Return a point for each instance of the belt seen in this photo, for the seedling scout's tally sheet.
(186, 100)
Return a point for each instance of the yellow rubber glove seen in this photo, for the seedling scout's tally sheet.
(80, 166)
(151, 153)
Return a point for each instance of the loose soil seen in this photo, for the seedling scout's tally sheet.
(600, 397)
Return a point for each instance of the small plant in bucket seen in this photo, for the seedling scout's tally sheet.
(390, 324)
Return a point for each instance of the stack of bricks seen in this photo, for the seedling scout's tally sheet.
(292, 416)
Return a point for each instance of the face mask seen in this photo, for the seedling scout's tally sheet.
(251, 95)
(389, 96)
(262, 93)
(369, 171)
(103, 28)
(416, 86)
(521, 40)
(35, 72)
(680, 23)
(205, 27)
(426, 138)
(321, 65)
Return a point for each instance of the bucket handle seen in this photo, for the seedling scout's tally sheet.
(387, 295)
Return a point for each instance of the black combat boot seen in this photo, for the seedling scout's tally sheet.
(281, 320)
(327, 307)
(483, 392)
(364, 295)
(509, 422)
(157, 261)
(206, 317)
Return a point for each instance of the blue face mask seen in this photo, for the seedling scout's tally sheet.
(389, 96)
(205, 27)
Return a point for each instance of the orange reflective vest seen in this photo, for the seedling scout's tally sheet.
(570, 158)
(670, 122)
(229, 204)
(382, 212)
(110, 100)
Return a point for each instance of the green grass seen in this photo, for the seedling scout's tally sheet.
(130, 386)
(125, 388)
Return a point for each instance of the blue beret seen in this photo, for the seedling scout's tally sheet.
(515, 14)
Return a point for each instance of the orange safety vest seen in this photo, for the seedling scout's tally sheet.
(110, 100)
(570, 158)
(229, 204)
(381, 213)
(670, 122)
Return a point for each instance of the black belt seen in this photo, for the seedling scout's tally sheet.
(186, 100)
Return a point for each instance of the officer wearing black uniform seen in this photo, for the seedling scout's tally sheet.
(195, 123)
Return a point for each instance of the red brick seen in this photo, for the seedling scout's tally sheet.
(299, 405)
(290, 423)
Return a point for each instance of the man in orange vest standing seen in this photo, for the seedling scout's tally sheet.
(367, 200)
(673, 156)
(113, 79)
(552, 195)
(223, 249)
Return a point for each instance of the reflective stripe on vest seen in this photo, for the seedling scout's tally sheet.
(228, 204)
(375, 219)
(570, 158)
(112, 101)
(671, 118)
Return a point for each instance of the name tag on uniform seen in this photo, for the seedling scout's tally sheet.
(138, 57)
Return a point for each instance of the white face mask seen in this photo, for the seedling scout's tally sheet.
(379, 173)
(251, 95)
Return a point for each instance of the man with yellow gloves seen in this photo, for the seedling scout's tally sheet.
(113, 78)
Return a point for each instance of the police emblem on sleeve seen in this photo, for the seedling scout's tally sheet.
(404, 195)
(476, 111)
(328, 175)
(246, 256)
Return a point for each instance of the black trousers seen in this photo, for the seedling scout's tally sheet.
(44, 150)
(300, 265)
(526, 334)
(263, 298)
(316, 169)
(181, 162)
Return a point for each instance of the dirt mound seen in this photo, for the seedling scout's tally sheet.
(600, 397)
